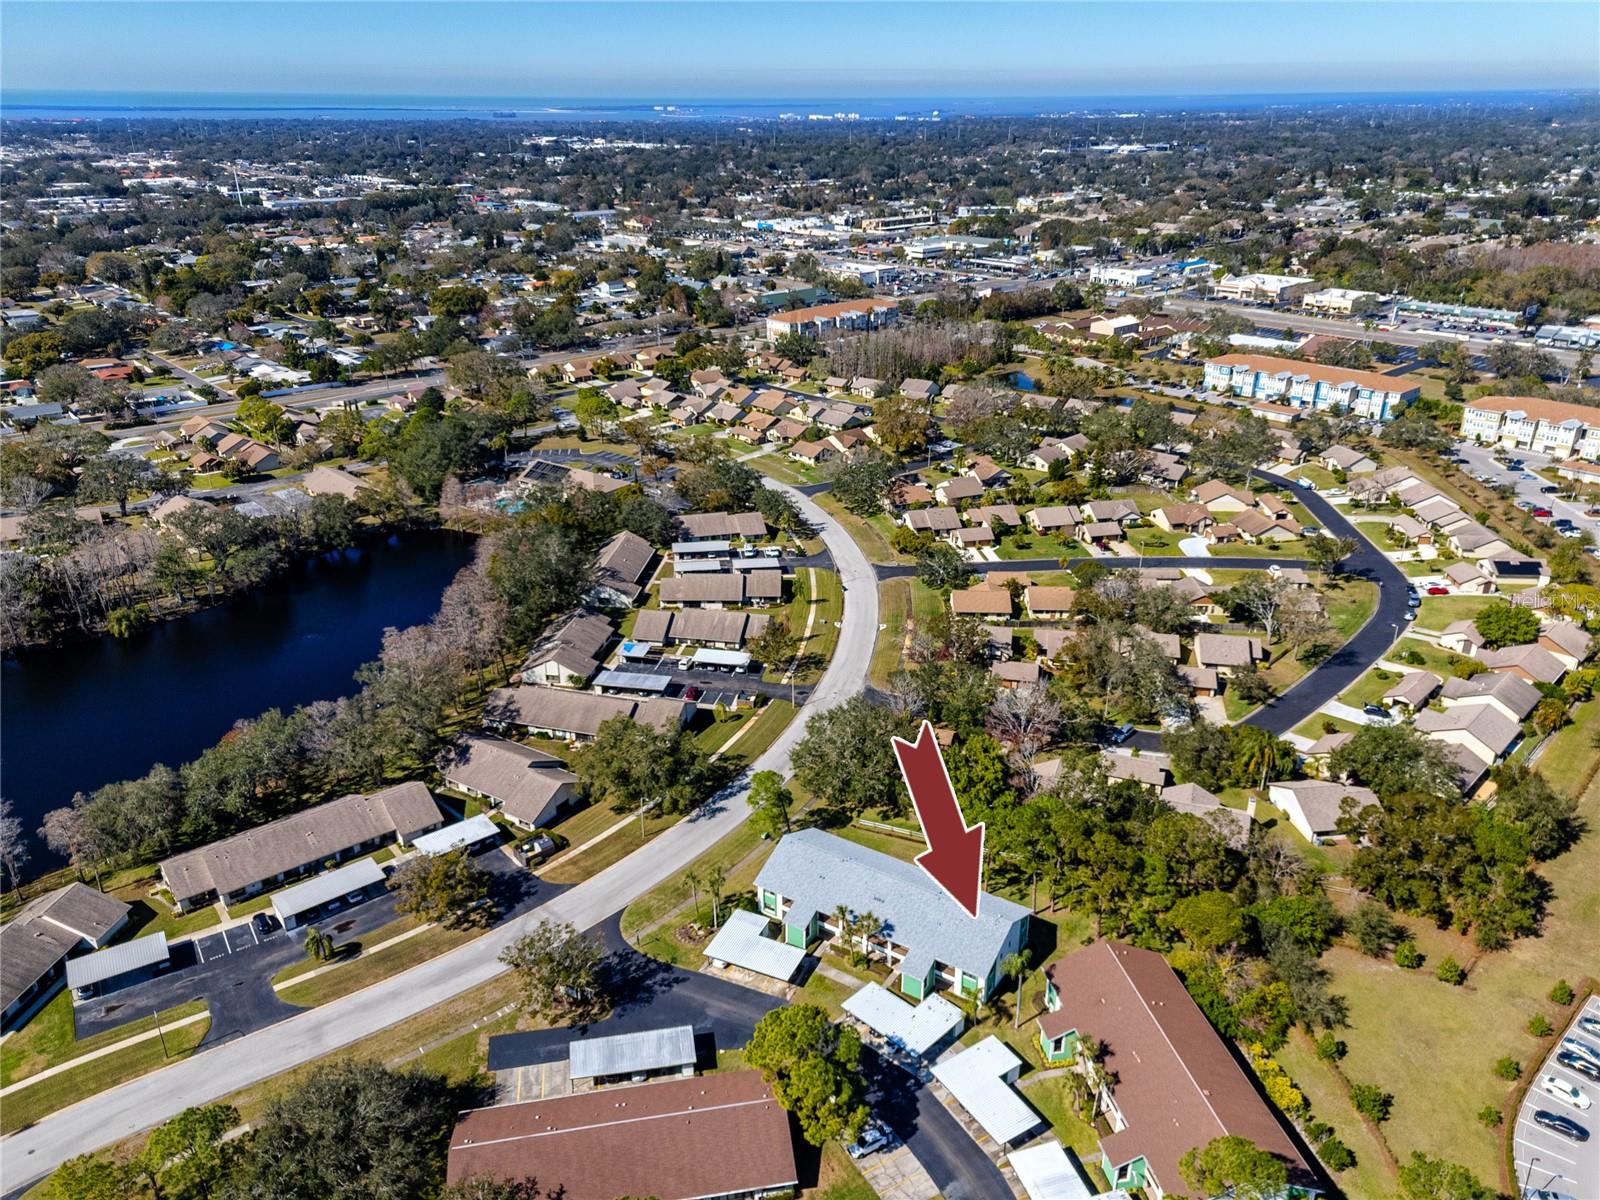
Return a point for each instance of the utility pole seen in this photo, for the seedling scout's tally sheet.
(160, 1033)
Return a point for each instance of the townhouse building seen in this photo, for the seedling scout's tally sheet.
(1307, 385)
(1554, 427)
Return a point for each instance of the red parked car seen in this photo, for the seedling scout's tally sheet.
(1438, 591)
(1542, 514)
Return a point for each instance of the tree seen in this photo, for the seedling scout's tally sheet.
(89, 1177)
(1026, 719)
(1373, 928)
(1507, 625)
(1234, 1165)
(350, 1131)
(1208, 920)
(1429, 1178)
(446, 889)
(901, 424)
(14, 851)
(770, 803)
(845, 758)
(187, 1156)
(1326, 553)
(814, 1069)
(775, 645)
(559, 970)
(633, 766)
(943, 567)
(116, 477)
(1015, 966)
(862, 484)
(1371, 1101)
(1547, 817)
(539, 570)
(1391, 759)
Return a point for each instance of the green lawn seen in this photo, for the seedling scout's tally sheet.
(872, 536)
(1568, 762)
(1312, 726)
(825, 599)
(574, 868)
(1053, 1099)
(353, 974)
(24, 1107)
(1432, 1045)
(49, 1039)
(1027, 544)
(1434, 658)
(1437, 612)
(1370, 1178)
(1350, 602)
(765, 728)
(838, 1178)
(147, 914)
(894, 611)
(905, 848)
(1369, 689)
(1149, 540)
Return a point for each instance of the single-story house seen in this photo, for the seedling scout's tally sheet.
(1413, 691)
(577, 716)
(932, 520)
(1347, 459)
(532, 788)
(1532, 662)
(1467, 579)
(36, 942)
(1227, 653)
(1048, 603)
(1313, 806)
(1463, 637)
(981, 600)
(1481, 728)
(1508, 693)
(1182, 518)
(696, 527)
(569, 652)
(759, 588)
(622, 569)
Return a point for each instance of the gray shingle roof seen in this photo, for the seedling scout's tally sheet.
(819, 872)
(523, 779)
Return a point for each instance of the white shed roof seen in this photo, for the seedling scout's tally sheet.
(452, 837)
(308, 895)
(741, 942)
(916, 1029)
(976, 1078)
(721, 658)
(1047, 1172)
(627, 1053)
(106, 964)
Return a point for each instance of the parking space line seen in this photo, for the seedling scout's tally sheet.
(199, 952)
(1544, 1150)
(253, 933)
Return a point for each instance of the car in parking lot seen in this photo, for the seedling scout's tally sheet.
(1567, 1093)
(264, 924)
(1589, 1024)
(1121, 734)
(1581, 1048)
(1436, 590)
(1525, 505)
(874, 1137)
(1570, 532)
(1563, 1126)
(1540, 514)
(1550, 489)
(1579, 1065)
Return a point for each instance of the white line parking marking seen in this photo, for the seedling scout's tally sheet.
(1545, 1150)
(198, 952)
(254, 934)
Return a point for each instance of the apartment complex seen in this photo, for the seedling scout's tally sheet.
(1564, 431)
(830, 318)
(1310, 385)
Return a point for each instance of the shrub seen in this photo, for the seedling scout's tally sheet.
(1316, 1131)
(1373, 928)
(1335, 1155)
(1508, 1068)
(1539, 1025)
(1450, 971)
(1490, 1116)
(1371, 1101)
(1407, 955)
(1413, 658)
(1330, 1048)
(1562, 993)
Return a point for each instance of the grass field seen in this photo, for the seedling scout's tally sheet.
(1312, 728)
(1568, 762)
(869, 535)
(24, 1107)
(837, 1178)
(574, 868)
(364, 969)
(1439, 611)
(1027, 544)
(1150, 541)
(147, 914)
(1433, 1045)
(49, 1038)
(894, 611)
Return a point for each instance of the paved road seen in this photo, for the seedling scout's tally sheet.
(211, 1074)
(1149, 563)
(1544, 1159)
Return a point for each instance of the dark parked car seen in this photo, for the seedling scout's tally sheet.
(1565, 1126)
(1121, 734)
(1578, 1064)
(264, 924)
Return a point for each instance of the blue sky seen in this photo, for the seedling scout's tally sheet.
(767, 48)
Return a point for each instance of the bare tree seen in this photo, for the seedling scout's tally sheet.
(13, 850)
(1026, 719)
(66, 832)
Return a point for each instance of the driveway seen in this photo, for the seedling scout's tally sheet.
(1546, 1160)
(128, 1108)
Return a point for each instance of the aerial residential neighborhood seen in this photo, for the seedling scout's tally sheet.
(799, 602)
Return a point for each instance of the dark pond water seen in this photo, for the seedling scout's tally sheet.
(1022, 381)
(75, 717)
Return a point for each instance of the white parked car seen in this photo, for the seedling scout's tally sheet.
(1567, 1093)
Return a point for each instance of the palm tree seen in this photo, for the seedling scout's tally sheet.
(691, 880)
(715, 878)
(1017, 964)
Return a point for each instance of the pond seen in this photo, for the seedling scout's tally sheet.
(79, 716)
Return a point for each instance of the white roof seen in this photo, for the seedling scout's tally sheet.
(976, 1078)
(917, 1029)
(1047, 1172)
(741, 942)
(308, 895)
(628, 1053)
(452, 837)
(106, 964)
(722, 658)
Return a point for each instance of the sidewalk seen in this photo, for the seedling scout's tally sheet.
(362, 953)
(104, 1051)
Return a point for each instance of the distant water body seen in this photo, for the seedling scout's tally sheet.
(128, 106)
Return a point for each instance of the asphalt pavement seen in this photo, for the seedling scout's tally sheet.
(1548, 1161)
(1480, 461)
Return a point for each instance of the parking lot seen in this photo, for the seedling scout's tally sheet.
(228, 941)
(1481, 462)
(1548, 1163)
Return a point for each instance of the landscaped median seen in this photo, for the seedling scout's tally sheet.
(387, 950)
(43, 1067)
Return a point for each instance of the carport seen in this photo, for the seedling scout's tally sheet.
(643, 682)
(742, 942)
(86, 973)
(470, 832)
(980, 1079)
(917, 1029)
(708, 659)
(304, 899)
(1047, 1172)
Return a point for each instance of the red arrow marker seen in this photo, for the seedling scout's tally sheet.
(954, 857)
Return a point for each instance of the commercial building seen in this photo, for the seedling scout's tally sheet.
(1264, 289)
(824, 319)
(1167, 1083)
(712, 1137)
(926, 938)
(301, 844)
(35, 944)
(1341, 302)
(1553, 427)
(1310, 385)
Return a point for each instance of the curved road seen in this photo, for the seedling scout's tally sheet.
(213, 1073)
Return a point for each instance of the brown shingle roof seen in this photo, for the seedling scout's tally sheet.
(1178, 1086)
(676, 1140)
